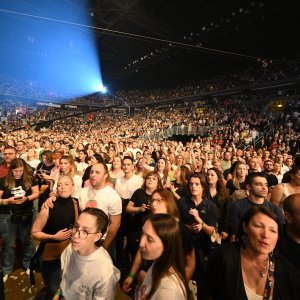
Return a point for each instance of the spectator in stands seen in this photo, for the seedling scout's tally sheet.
(9, 154)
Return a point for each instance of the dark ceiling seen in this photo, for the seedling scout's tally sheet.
(258, 28)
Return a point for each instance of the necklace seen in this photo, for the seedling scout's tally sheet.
(262, 273)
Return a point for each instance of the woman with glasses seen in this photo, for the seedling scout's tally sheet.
(87, 269)
(162, 202)
(52, 228)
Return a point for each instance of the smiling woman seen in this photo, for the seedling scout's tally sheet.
(251, 268)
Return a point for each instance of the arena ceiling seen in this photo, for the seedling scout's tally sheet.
(258, 28)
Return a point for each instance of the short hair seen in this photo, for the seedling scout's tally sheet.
(250, 177)
(288, 203)
(128, 157)
(48, 155)
(202, 179)
(103, 165)
(10, 148)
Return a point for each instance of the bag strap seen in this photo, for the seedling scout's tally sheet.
(76, 208)
(270, 277)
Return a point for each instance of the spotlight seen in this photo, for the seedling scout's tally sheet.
(102, 89)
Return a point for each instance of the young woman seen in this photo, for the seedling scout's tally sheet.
(238, 180)
(218, 195)
(179, 187)
(163, 202)
(67, 167)
(81, 162)
(17, 192)
(116, 170)
(251, 268)
(166, 278)
(162, 168)
(138, 208)
(32, 158)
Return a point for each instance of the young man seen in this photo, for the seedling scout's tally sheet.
(87, 269)
(257, 186)
(9, 154)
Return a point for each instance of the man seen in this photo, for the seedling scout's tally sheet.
(125, 187)
(290, 247)
(268, 168)
(226, 162)
(253, 164)
(21, 150)
(87, 269)
(9, 153)
(284, 168)
(99, 194)
(257, 186)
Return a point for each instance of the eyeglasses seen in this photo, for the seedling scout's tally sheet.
(156, 200)
(82, 234)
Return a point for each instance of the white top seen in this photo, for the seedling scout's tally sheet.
(91, 277)
(125, 188)
(252, 295)
(170, 288)
(106, 199)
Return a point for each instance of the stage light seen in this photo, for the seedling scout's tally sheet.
(102, 89)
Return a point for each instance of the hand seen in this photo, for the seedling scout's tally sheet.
(126, 286)
(224, 235)
(195, 227)
(10, 200)
(194, 212)
(173, 188)
(48, 203)
(145, 207)
(63, 234)
(21, 200)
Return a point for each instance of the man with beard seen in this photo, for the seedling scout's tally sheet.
(257, 186)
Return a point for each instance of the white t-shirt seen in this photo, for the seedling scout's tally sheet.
(106, 199)
(91, 277)
(170, 288)
(125, 188)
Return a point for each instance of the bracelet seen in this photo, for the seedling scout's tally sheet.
(27, 198)
(131, 275)
(139, 209)
(3, 202)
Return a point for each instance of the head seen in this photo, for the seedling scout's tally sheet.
(253, 163)
(47, 157)
(240, 170)
(215, 178)
(21, 146)
(257, 185)
(83, 156)
(291, 208)
(95, 159)
(163, 202)
(260, 228)
(227, 156)
(9, 153)
(182, 174)
(116, 163)
(152, 181)
(65, 186)
(89, 228)
(217, 165)
(197, 185)
(268, 165)
(57, 145)
(127, 165)
(67, 164)
(98, 175)
(56, 156)
(295, 174)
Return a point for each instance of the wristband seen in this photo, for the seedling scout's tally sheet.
(3, 202)
(131, 275)
(27, 199)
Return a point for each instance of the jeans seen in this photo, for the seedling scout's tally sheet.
(9, 232)
(51, 273)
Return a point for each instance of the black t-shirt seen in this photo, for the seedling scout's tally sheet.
(42, 168)
(233, 188)
(7, 193)
(139, 197)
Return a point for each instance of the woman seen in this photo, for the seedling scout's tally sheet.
(238, 180)
(54, 226)
(251, 268)
(18, 190)
(163, 202)
(166, 278)
(32, 158)
(67, 167)
(218, 195)
(179, 187)
(162, 168)
(141, 168)
(116, 170)
(138, 208)
(81, 162)
(44, 167)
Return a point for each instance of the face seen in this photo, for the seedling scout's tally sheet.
(276, 167)
(268, 165)
(211, 177)
(20, 146)
(81, 155)
(296, 178)
(179, 160)
(289, 162)
(117, 163)
(57, 146)
(65, 165)
(158, 204)
(241, 170)
(254, 164)
(259, 187)
(86, 246)
(18, 172)
(31, 153)
(151, 245)
(195, 187)
(98, 175)
(227, 156)
(152, 182)
(127, 166)
(161, 165)
(9, 155)
(262, 233)
(217, 165)
(65, 187)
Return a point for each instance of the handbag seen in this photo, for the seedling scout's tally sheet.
(21, 217)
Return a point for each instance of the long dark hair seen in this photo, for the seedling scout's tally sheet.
(221, 188)
(167, 229)
(10, 182)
